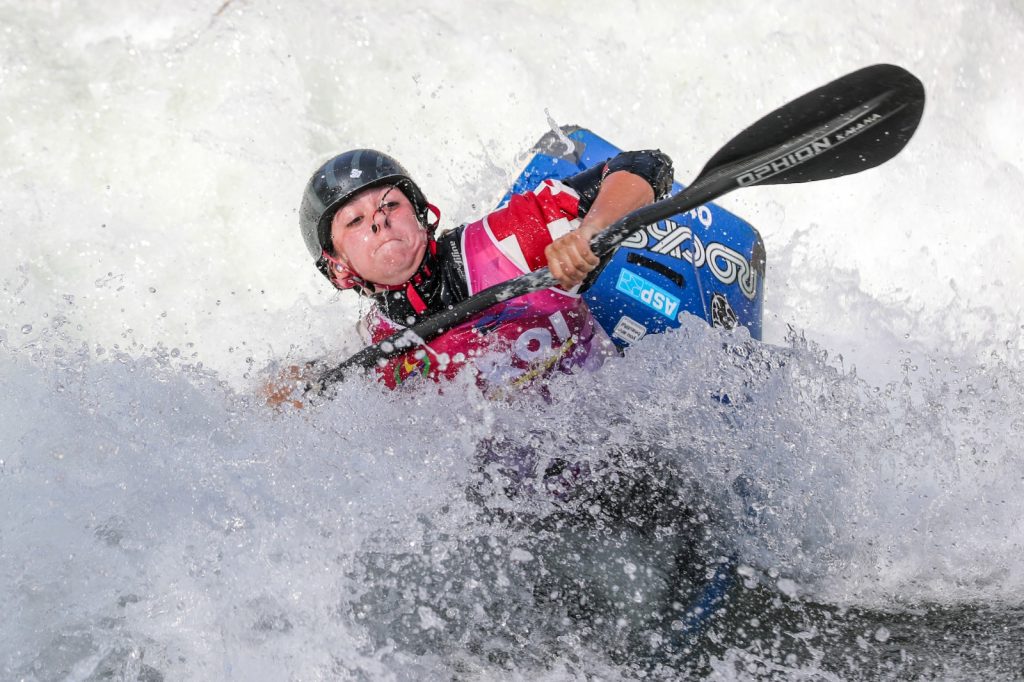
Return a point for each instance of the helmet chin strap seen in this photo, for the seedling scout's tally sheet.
(431, 227)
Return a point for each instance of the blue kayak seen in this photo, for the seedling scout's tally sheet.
(707, 262)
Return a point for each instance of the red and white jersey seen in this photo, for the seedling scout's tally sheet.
(514, 342)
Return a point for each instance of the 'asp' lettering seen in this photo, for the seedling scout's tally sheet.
(648, 293)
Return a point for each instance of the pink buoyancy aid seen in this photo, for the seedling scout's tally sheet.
(517, 341)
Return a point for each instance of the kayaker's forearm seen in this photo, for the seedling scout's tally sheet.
(621, 193)
(569, 257)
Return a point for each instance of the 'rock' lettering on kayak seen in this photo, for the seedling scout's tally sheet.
(776, 166)
(670, 238)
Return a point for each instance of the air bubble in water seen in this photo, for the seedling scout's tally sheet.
(26, 329)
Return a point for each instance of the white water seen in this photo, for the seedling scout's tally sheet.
(152, 163)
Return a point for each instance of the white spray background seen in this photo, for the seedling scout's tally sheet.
(153, 159)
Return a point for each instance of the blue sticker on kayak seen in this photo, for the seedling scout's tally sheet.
(648, 293)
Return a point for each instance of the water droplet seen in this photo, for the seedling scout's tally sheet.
(788, 587)
(882, 634)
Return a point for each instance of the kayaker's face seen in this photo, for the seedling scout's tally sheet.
(378, 235)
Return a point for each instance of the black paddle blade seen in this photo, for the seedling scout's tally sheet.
(849, 125)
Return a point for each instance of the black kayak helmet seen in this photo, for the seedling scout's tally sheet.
(339, 180)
